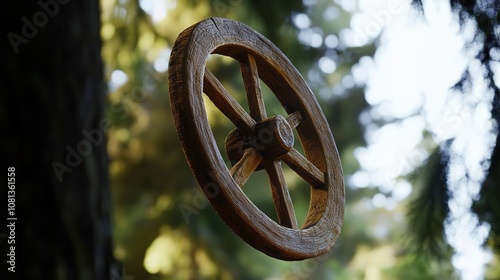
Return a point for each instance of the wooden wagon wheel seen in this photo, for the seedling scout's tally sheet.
(259, 141)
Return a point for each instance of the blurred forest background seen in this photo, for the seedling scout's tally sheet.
(164, 227)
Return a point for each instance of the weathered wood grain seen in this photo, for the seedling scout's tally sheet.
(281, 196)
(242, 170)
(226, 103)
(294, 119)
(304, 168)
(320, 165)
(251, 80)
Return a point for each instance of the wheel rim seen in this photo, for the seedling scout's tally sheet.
(259, 58)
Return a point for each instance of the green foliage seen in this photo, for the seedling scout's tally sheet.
(419, 268)
(428, 210)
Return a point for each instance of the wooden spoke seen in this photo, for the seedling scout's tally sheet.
(226, 103)
(242, 170)
(304, 168)
(281, 196)
(252, 87)
(294, 119)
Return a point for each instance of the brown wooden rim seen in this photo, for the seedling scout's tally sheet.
(189, 78)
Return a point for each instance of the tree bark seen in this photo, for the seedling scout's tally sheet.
(52, 113)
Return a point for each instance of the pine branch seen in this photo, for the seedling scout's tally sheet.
(428, 210)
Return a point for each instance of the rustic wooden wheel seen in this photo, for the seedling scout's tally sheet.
(258, 141)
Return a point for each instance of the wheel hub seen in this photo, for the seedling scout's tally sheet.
(273, 137)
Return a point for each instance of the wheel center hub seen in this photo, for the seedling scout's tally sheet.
(273, 138)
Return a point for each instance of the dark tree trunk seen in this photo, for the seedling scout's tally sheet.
(53, 126)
